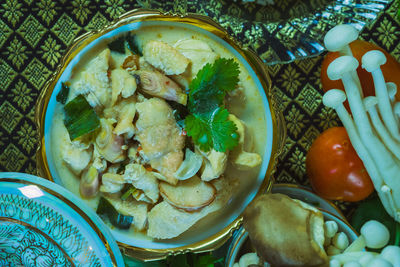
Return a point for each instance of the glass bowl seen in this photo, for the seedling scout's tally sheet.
(213, 231)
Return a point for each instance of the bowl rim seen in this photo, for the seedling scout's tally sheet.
(241, 235)
(75, 204)
(202, 22)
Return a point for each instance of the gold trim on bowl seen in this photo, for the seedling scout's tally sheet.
(202, 22)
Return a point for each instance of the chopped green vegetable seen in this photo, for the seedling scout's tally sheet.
(208, 123)
(129, 41)
(118, 45)
(372, 209)
(80, 118)
(128, 192)
(212, 131)
(105, 208)
(133, 44)
(62, 96)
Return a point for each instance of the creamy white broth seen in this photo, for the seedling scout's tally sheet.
(248, 108)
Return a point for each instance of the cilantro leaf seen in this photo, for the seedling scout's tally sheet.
(212, 130)
(212, 82)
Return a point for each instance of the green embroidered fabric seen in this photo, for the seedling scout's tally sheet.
(35, 34)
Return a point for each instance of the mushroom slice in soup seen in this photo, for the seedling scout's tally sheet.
(190, 195)
(165, 57)
(199, 53)
(241, 158)
(157, 84)
(165, 221)
(93, 81)
(160, 137)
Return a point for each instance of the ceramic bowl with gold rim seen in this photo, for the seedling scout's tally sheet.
(43, 224)
(254, 105)
(241, 243)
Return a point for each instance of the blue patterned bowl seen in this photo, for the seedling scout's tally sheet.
(43, 224)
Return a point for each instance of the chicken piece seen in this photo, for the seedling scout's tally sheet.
(143, 180)
(160, 137)
(127, 111)
(136, 209)
(75, 155)
(166, 221)
(112, 182)
(157, 84)
(241, 158)
(198, 52)
(93, 82)
(109, 145)
(214, 164)
(122, 83)
(165, 57)
(136, 175)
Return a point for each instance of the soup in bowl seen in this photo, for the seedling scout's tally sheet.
(165, 127)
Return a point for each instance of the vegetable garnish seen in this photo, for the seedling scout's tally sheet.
(212, 130)
(129, 41)
(80, 118)
(105, 208)
(131, 189)
(208, 122)
(62, 96)
(211, 84)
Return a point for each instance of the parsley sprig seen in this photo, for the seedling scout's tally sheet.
(208, 123)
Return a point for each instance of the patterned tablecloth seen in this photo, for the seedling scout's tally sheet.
(35, 33)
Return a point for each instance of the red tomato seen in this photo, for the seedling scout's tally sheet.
(334, 168)
(391, 69)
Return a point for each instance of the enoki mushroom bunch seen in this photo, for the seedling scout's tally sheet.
(373, 125)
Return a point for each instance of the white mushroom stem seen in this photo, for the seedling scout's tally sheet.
(371, 62)
(388, 167)
(396, 110)
(388, 195)
(338, 39)
(392, 90)
(334, 99)
(370, 103)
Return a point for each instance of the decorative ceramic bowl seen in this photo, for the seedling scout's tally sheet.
(213, 231)
(42, 224)
(241, 243)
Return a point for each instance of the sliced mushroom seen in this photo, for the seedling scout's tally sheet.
(191, 194)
